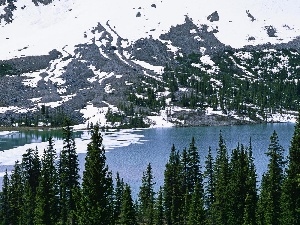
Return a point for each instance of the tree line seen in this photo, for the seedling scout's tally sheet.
(221, 190)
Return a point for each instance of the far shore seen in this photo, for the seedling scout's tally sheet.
(28, 128)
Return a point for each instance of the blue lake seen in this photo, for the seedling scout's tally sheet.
(153, 146)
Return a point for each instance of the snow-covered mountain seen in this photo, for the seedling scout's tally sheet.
(88, 55)
(35, 27)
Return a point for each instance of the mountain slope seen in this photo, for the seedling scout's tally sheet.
(110, 62)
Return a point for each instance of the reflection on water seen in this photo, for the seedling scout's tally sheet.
(9, 140)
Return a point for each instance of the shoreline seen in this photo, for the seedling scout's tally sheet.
(21, 128)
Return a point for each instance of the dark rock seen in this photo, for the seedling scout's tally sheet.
(271, 31)
(213, 17)
(250, 16)
(138, 14)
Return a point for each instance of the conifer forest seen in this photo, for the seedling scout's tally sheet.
(221, 190)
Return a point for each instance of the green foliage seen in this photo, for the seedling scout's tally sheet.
(146, 197)
(209, 194)
(68, 177)
(221, 207)
(128, 214)
(173, 194)
(159, 208)
(5, 211)
(118, 193)
(290, 202)
(271, 187)
(46, 211)
(249, 85)
(96, 207)
(196, 214)
(6, 69)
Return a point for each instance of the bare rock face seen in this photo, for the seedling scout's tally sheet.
(42, 2)
(213, 17)
(250, 16)
(7, 14)
(271, 31)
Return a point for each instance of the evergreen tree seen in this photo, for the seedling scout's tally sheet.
(128, 214)
(68, 177)
(221, 170)
(97, 191)
(196, 214)
(15, 194)
(194, 168)
(46, 211)
(146, 197)
(118, 192)
(159, 208)
(173, 195)
(209, 196)
(31, 169)
(290, 201)
(28, 206)
(5, 211)
(271, 187)
(239, 167)
(251, 194)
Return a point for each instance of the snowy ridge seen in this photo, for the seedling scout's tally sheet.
(65, 22)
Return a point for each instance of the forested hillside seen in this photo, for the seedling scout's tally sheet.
(220, 190)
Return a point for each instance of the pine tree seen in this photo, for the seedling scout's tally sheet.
(68, 177)
(118, 192)
(173, 194)
(290, 201)
(128, 214)
(146, 197)
(5, 211)
(194, 168)
(46, 211)
(238, 189)
(196, 214)
(249, 217)
(209, 195)
(97, 191)
(159, 208)
(271, 187)
(221, 171)
(31, 169)
(15, 193)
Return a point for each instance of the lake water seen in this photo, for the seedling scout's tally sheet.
(129, 151)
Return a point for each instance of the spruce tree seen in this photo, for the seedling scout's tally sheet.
(173, 194)
(196, 214)
(238, 187)
(118, 195)
(249, 217)
(271, 187)
(159, 208)
(46, 211)
(31, 169)
(146, 197)
(68, 177)
(290, 201)
(209, 195)
(194, 168)
(15, 194)
(128, 214)
(221, 179)
(5, 211)
(97, 190)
